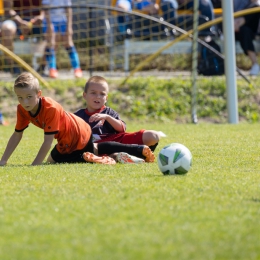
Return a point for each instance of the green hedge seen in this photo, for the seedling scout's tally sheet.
(152, 98)
(171, 99)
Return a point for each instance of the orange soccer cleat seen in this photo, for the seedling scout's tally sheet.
(148, 154)
(92, 158)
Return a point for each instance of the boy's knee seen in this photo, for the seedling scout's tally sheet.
(150, 137)
(156, 136)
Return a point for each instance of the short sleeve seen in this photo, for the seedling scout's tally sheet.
(22, 120)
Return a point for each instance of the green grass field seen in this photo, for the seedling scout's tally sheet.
(87, 211)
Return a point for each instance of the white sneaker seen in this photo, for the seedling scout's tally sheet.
(127, 158)
(255, 70)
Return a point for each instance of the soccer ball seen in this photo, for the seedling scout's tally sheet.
(174, 159)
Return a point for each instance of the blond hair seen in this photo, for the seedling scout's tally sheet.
(94, 79)
(27, 80)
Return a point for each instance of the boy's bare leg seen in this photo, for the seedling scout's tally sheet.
(150, 137)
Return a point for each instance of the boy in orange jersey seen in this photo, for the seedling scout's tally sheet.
(73, 134)
(105, 122)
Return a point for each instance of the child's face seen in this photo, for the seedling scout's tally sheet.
(96, 96)
(28, 98)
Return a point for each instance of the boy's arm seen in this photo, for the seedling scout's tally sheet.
(238, 22)
(9, 11)
(25, 26)
(43, 150)
(117, 124)
(46, 15)
(46, 12)
(12, 144)
(50, 35)
(69, 21)
(38, 18)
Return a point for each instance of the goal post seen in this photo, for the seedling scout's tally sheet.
(230, 61)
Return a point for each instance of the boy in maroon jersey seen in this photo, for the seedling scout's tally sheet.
(105, 122)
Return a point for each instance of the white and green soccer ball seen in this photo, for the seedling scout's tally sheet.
(174, 159)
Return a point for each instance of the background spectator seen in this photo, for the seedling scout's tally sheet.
(22, 17)
(148, 6)
(206, 13)
(216, 3)
(245, 30)
(168, 8)
(205, 7)
(59, 21)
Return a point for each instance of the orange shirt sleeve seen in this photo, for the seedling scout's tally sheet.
(22, 121)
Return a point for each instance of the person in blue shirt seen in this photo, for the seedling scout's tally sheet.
(168, 8)
(147, 6)
(205, 7)
(206, 10)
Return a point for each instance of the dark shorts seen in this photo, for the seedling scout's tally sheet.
(74, 157)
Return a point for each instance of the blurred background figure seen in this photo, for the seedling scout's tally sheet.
(59, 23)
(167, 10)
(22, 18)
(205, 7)
(206, 10)
(216, 3)
(246, 29)
(149, 7)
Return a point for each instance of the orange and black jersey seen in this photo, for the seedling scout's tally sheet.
(71, 132)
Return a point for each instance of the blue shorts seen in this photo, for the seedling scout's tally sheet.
(142, 5)
(59, 27)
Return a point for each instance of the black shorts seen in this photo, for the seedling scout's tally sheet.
(74, 157)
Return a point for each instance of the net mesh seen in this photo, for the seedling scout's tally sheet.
(101, 36)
